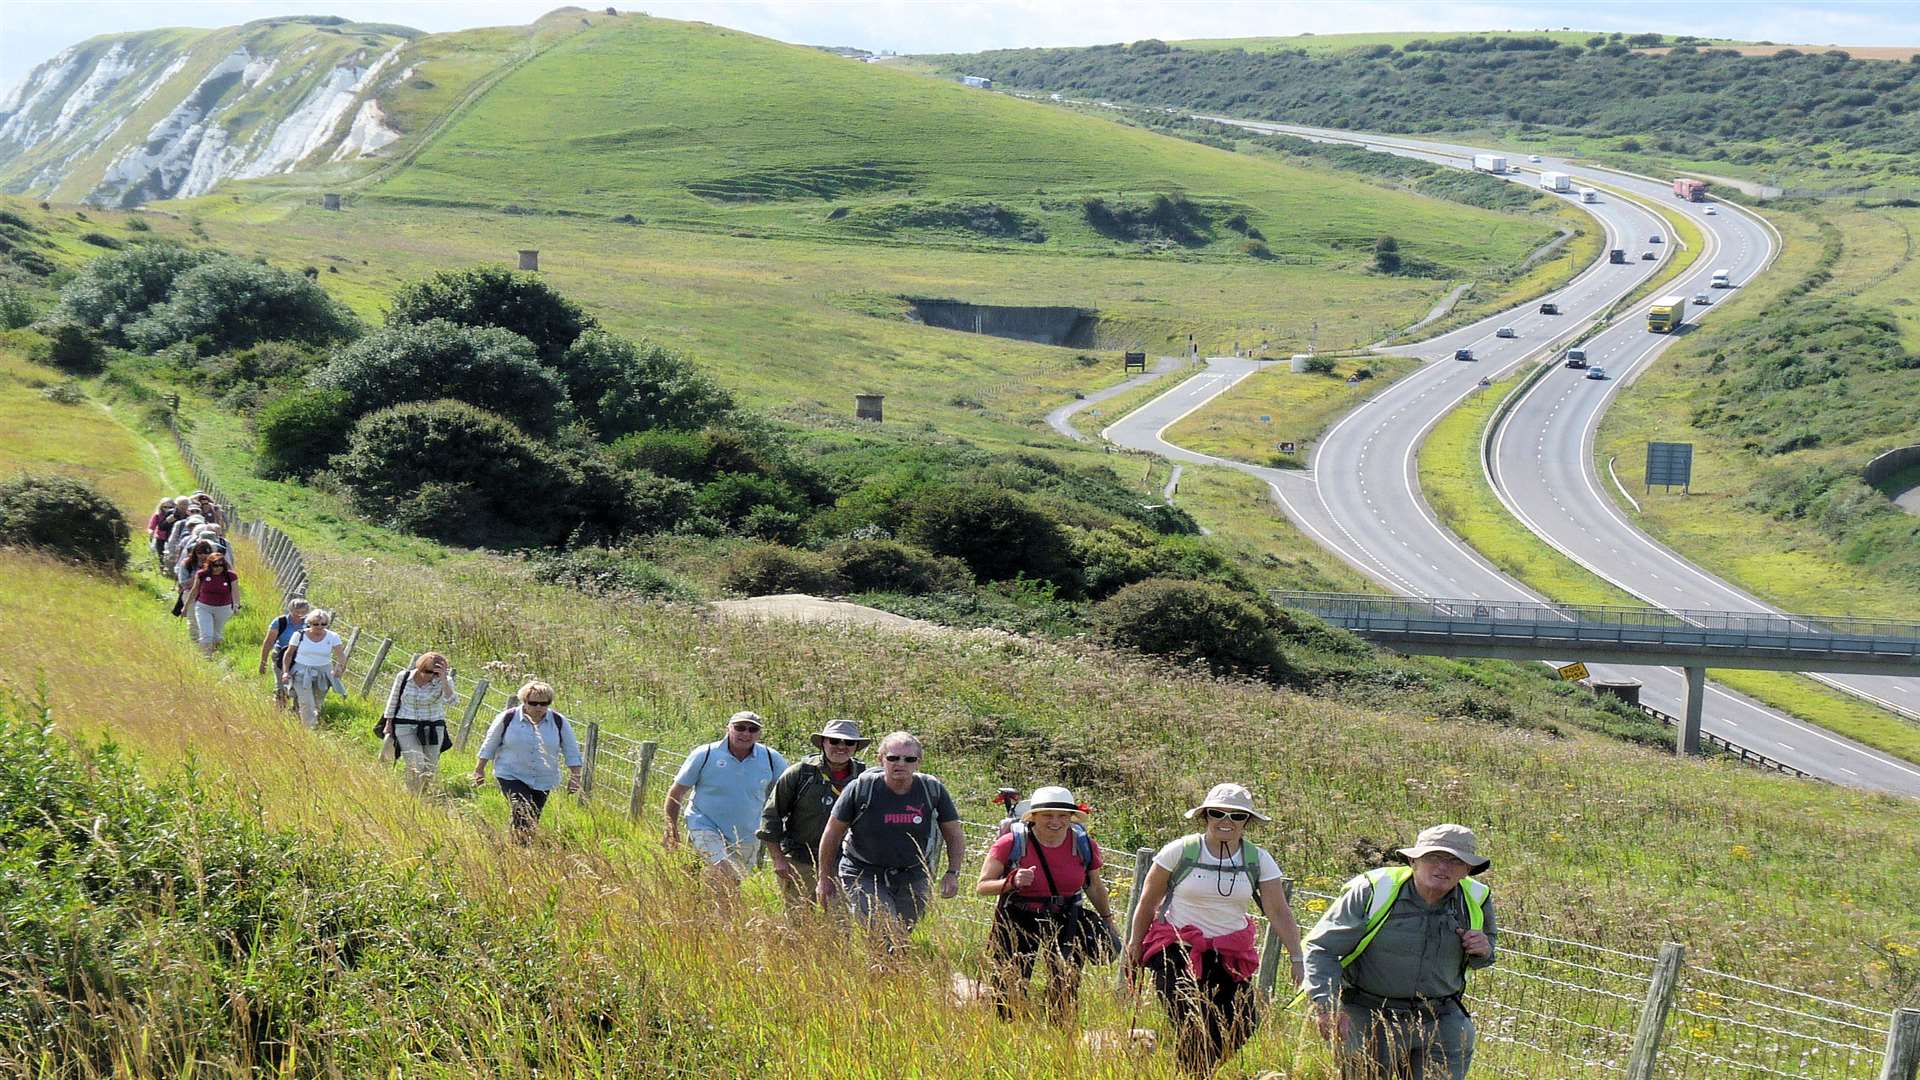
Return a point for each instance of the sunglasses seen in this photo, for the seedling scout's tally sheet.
(748, 729)
(841, 742)
(538, 704)
(1228, 815)
(908, 758)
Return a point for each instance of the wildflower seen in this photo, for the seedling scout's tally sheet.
(1741, 851)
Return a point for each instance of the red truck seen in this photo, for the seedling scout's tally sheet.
(1690, 190)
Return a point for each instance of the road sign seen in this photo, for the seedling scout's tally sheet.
(1573, 672)
(1669, 463)
(1135, 361)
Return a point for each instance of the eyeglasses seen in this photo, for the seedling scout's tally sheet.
(747, 729)
(908, 758)
(1228, 815)
(841, 742)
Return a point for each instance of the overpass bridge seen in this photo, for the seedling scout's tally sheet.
(1557, 633)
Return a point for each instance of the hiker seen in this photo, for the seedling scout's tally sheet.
(281, 630)
(1387, 963)
(527, 744)
(192, 560)
(879, 845)
(214, 597)
(159, 527)
(415, 719)
(796, 813)
(1045, 871)
(728, 781)
(207, 508)
(314, 665)
(1192, 933)
(185, 520)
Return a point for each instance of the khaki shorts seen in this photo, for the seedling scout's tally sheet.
(717, 850)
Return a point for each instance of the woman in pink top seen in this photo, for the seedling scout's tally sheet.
(213, 599)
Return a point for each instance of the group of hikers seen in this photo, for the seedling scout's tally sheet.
(1382, 971)
(187, 534)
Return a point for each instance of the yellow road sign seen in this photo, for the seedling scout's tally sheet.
(1573, 672)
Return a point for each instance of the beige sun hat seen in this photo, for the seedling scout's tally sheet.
(1455, 840)
(841, 729)
(1228, 797)
(1049, 798)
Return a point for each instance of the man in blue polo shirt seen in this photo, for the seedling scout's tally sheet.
(728, 781)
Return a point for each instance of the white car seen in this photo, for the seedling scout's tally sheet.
(1535, 158)
(1702, 299)
(1710, 211)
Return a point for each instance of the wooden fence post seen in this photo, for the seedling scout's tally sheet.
(373, 669)
(1653, 1015)
(473, 708)
(1142, 863)
(640, 771)
(592, 755)
(1903, 1046)
(1270, 948)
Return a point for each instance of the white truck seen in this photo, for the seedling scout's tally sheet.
(1723, 279)
(1588, 195)
(1489, 163)
(1556, 181)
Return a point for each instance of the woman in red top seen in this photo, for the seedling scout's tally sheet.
(213, 600)
(159, 527)
(1049, 892)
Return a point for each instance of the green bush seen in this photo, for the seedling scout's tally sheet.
(732, 496)
(890, 566)
(495, 296)
(997, 534)
(110, 293)
(607, 571)
(1192, 621)
(64, 516)
(299, 432)
(16, 307)
(679, 454)
(483, 366)
(1112, 558)
(229, 303)
(767, 569)
(620, 387)
(71, 347)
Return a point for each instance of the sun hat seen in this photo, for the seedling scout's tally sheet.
(1228, 797)
(747, 715)
(841, 729)
(1050, 798)
(1455, 840)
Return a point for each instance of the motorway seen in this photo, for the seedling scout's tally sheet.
(1363, 498)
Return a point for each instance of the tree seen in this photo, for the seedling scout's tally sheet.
(483, 366)
(111, 292)
(235, 303)
(301, 431)
(620, 387)
(1192, 621)
(1386, 255)
(998, 535)
(495, 296)
(64, 516)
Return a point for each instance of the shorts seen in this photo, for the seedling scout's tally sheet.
(738, 856)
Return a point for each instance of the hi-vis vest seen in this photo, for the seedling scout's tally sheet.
(1387, 882)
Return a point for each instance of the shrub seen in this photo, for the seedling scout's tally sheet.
(102, 240)
(1319, 365)
(300, 432)
(998, 535)
(890, 566)
(65, 516)
(16, 307)
(620, 387)
(113, 291)
(1386, 255)
(772, 524)
(732, 496)
(235, 303)
(1192, 621)
(499, 297)
(70, 347)
(607, 571)
(766, 569)
(447, 470)
(680, 454)
(1112, 558)
(482, 366)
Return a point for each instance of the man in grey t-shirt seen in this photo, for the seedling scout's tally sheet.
(879, 844)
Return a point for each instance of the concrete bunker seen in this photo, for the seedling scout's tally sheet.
(1070, 326)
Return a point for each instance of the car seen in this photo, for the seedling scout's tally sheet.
(1648, 256)
(1506, 331)
(1710, 211)
(1535, 158)
(1597, 373)
(1655, 239)
(1463, 354)
(1702, 299)
(1549, 308)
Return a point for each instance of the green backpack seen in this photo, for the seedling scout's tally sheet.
(1190, 859)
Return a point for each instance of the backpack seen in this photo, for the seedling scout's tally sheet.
(506, 718)
(1190, 859)
(1082, 846)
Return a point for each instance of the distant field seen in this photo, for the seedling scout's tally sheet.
(1329, 43)
(1248, 422)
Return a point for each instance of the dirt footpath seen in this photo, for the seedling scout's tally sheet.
(799, 607)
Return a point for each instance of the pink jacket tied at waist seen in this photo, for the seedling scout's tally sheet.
(1238, 953)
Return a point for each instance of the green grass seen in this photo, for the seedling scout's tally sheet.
(1331, 43)
(1301, 406)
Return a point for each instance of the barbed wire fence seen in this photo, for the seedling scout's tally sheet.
(1550, 1006)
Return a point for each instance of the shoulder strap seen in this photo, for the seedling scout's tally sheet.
(1040, 856)
(1083, 846)
(1250, 862)
(393, 699)
(1386, 883)
(702, 770)
(1189, 858)
(772, 775)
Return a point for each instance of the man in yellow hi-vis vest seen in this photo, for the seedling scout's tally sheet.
(1387, 963)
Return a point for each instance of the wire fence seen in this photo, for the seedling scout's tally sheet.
(1550, 1006)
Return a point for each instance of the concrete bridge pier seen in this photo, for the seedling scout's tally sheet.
(1687, 741)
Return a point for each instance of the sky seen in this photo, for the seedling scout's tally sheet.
(34, 30)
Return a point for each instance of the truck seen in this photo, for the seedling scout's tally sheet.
(1556, 181)
(1690, 189)
(1723, 279)
(1667, 314)
(978, 82)
(1489, 163)
(1588, 195)
(1617, 255)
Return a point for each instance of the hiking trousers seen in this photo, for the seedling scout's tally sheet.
(1391, 1044)
(1018, 938)
(889, 900)
(1212, 1015)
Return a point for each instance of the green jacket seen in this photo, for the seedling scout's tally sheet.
(799, 806)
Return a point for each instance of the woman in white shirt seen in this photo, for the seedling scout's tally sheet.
(416, 716)
(314, 665)
(1191, 930)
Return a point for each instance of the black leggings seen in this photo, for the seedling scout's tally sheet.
(524, 805)
(1212, 1017)
(1018, 937)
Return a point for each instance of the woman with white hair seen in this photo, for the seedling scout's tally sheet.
(1046, 872)
(313, 665)
(1191, 930)
(527, 743)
